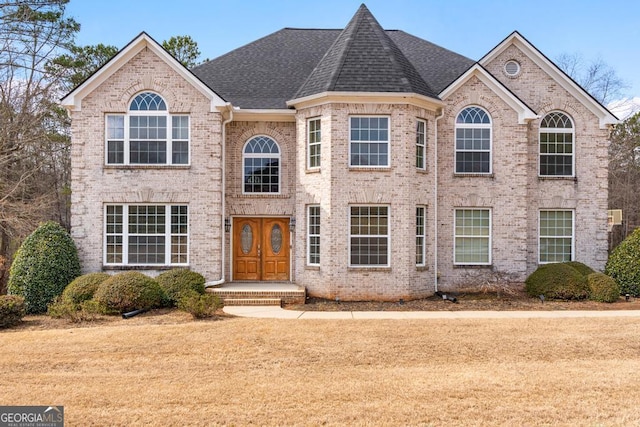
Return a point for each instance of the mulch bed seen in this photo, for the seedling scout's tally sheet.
(474, 301)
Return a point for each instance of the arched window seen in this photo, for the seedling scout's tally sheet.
(557, 145)
(147, 134)
(261, 166)
(473, 141)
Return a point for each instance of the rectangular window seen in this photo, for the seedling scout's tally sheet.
(421, 144)
(420, 236)
(369, 142)
(556, 236)
(314, 137)
(472, 235)
(313, 235)
(140, 235)
(146, 140)
(369, 236)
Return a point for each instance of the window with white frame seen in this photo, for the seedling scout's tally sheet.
(146, 235)
(313, 235)
(314, 138)
(472, 235)
(369, 236)
(421, 144)
(556, 231)
(147, 134)
(421, 236)
(369, 142)
(556, 145)
(473, 141)
(261, 166)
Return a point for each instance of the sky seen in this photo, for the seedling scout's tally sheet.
(594, 29)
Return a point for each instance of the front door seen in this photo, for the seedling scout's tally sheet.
(261, 249)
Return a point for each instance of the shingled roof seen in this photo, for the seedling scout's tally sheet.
(293, 63)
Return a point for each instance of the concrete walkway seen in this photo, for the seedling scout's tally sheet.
(275, 312)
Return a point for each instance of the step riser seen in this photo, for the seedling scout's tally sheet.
(255, 297)
(252, 302)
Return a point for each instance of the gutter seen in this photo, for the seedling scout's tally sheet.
(224, 203)
(435, 204)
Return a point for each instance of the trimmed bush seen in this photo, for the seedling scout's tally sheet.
(179, 280)
(603, 288)
(624, 264)
(129, 291)
(199, 306)
(12, 310)
(583, 269)
(83, 288)
(64, 309)
(46, 262)
(557, 281)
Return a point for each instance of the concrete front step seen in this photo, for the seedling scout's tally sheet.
(252, 301)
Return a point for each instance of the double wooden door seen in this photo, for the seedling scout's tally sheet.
(261, 249)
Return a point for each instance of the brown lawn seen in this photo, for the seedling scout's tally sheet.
(168, 370)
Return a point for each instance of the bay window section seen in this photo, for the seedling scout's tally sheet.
(421, 236)
(313, 235)
(421, 144)
(369, 142)
(140, 235)
(314, 138)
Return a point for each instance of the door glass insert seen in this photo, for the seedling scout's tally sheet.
(246, 239)
(276, 238)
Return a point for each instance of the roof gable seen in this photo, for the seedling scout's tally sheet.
(516, 39)
(524, 112)
(364, 58)
(73, 100)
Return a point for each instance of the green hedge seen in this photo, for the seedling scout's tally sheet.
(129, 291)
(46, 262)
(12, 310)
(603, 288)
(557, 281)
(178, 281)
(624, 264)
(83, 288)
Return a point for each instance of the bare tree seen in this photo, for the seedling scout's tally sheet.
(34, 140)
(596, 77)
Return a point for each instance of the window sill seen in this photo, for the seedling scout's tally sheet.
(314, 170)
(422, 171)
(474, 266)
(365, 269)
(261, 196)
(160, 267)
(372, 169)
(557, 178)
(312, 267)
(473, 175)
(422, 268)
(146, 167)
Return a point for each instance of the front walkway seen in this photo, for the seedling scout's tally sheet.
(274, 312)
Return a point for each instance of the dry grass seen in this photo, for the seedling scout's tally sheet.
(169, 370)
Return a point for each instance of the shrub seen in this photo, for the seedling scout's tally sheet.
(624, 264)
(12, 310)
(198, 305)
(179, 280)
(557, 281)
(82, 288)
(62, 308)
(583, 269)
(46, 262)
(603, 288)
(129, 291)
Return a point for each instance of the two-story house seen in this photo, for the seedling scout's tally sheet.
(359, 163)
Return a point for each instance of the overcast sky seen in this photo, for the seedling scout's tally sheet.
(609, 30)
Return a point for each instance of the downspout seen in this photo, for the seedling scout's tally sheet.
(435, 203)
(223, 196)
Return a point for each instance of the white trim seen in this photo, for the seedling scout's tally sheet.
(423, 145)
(309, 235)
(516, 39)
(573, 233)
(388, 235)
(388, 142)
(489, 237)
(265, 115)
(525, 114)
(261, 156)
(309, 144)
(428, 103)
(457, 126)
(125, 235)
(573, 143)
(73, 100)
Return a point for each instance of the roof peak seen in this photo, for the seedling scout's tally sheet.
(363, 58)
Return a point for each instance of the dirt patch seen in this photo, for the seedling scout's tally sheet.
(516, 300)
